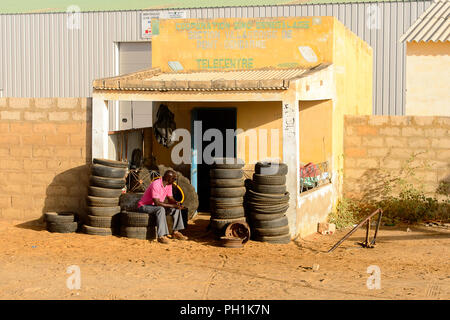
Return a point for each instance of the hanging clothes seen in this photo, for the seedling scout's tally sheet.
(164, 126)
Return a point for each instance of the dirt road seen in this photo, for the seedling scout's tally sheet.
(414, 265)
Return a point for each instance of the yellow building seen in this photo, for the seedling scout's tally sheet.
(284, 84)
(428, 62)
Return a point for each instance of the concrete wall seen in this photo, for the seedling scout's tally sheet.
(353, 71)
(376, 148)
(45, 145)
(428, 78)
(314, 207)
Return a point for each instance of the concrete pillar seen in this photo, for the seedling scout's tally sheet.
(100, 123)
(291, 157)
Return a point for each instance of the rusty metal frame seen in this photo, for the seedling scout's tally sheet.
(366, 243)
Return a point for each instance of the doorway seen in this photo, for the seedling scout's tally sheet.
(211, 118)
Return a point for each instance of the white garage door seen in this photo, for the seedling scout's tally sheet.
(134, 56)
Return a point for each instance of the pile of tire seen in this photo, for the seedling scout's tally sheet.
(106, 183)
(227, 194)
(60, 222)
(267, 201)
(137, 225)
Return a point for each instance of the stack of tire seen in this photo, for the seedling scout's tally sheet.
(267, 202)
(61, 222)
(227, 194)
(134, 224)
(106, 183)
(137, 225)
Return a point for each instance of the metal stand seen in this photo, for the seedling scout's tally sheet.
(366, 243)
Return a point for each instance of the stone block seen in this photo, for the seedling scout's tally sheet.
(44, 127)
(57, 140)
(377, 152)
(396, 142)
(443, 143)
(355, 152)
(68, 103)
(10, 115)
(4, 127)
(378, 120)
(367, 163)
(424, 121)
(9, 139)
(436, 132)
(326, 228)
(355, 120)
(372, 141)
(59, 116)
(35, 139)
(45, 103)
(19, 103)
(353, 141)
(412, 132)
(35, 116)
(400, 120)
(366, 131)
(390, 131)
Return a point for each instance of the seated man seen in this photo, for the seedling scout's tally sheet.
(154, 201)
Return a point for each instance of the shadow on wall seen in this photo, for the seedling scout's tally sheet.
(68, 189)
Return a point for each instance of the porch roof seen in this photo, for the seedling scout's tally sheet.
(236, 80)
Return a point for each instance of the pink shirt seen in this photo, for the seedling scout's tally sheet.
(155, 190)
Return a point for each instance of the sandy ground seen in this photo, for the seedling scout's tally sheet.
(33, 264)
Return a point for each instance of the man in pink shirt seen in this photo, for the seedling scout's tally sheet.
(154, 201)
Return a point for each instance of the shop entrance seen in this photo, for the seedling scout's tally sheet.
(211, 118)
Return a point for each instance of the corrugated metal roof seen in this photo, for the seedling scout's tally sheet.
(52, 6)
(432, 25)
(258, 79)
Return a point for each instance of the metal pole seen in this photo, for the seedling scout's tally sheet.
(353, 230)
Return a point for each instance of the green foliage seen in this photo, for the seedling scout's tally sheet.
(401, 198)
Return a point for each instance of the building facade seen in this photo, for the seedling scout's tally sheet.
(59, 54)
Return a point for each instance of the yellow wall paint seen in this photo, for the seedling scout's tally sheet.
(250, 115)
(428, 78)
(352, 60)
(315, 125)
(263, 42)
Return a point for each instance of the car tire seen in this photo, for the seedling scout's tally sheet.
(103, 211)
(228, 192)
(110, 183)
(108, 172)
(110, 163)
(275, 223)
(142, 233)
(228, 213)
(62, 227)
(226, 173)
(102, 202)
(220, 224)
(269, 180)
(269, 188)
(103, 222)
(227, 163)
(254, 216)
(226, 183)
(59, 217)
(135, 219)
(281, 239)
(278, 231)
(97, 231)
(104, 192)
(271, 168)
(129, 201)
